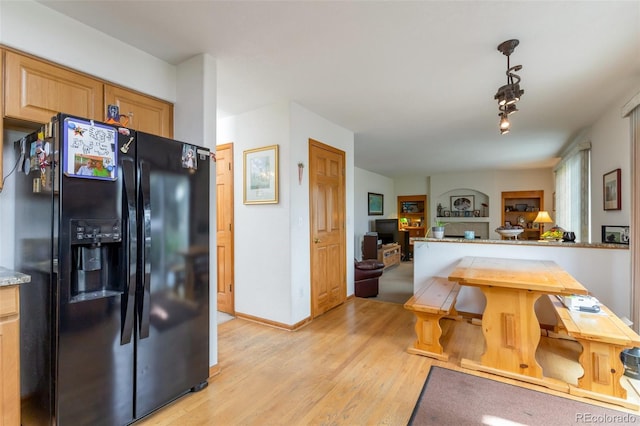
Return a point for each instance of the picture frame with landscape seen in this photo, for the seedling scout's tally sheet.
(611, 193)
(261, 175)
(375, 204)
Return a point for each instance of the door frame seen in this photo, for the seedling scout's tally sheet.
(231, 248)
(343, 291)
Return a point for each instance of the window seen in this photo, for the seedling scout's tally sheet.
(573, 192)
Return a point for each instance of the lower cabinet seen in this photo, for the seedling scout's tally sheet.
(9, 356)
(389, 254)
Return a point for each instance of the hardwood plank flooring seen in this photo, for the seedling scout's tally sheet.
(347, 367)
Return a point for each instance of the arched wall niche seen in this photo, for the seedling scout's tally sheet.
(463, 209)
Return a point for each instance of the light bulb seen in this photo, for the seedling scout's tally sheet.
(504, 122)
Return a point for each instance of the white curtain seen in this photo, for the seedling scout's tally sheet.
(573, 191)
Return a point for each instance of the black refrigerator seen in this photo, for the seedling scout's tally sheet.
(113, 227)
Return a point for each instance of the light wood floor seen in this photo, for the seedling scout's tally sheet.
(347, 367)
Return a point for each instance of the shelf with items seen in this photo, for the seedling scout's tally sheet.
(413, 218)
(521, 208)
(411, 211)
(415, 231)
(463, 203)
(446, 219)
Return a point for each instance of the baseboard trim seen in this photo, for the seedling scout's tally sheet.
(214, 370)
(275, 324)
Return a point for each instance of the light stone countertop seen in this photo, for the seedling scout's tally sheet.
(524, 242)
(9, 277)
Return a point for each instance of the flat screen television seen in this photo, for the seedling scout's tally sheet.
(387, 230)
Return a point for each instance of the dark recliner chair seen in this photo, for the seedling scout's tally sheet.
(367, 273)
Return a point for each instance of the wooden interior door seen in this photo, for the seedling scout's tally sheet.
(327, 219)
(224, 227)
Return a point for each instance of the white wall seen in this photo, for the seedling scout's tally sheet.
(262, 234)
(195, 122)
(365, 182)
(411, 185)
(7, 197)
(492, 183)
(41, 31)
(610, 150)
(307, 125)
(272, 253)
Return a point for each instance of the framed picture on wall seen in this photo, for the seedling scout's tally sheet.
(462, 203)
(611, 190)
(375, 204)
(615, 234)
(261, 175)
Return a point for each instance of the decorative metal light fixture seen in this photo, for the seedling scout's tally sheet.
(510, 93)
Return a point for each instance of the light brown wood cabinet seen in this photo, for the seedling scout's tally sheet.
(412, 214)
(521, 208)
(144, 113)
(36, 90)
(389, 254)
(9, 355)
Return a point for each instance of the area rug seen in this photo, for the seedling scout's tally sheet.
(451, 397)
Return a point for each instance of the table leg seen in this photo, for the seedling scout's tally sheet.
(511, 330)
(602, 367)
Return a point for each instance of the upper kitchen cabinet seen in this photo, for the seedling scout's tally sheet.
(36, 90)
(144, 113)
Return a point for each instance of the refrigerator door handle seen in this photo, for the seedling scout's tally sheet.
(128, 173)
(145, 194)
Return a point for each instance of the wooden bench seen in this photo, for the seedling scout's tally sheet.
(430, 304)
(603, 337)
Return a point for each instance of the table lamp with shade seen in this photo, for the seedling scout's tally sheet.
(542, 218)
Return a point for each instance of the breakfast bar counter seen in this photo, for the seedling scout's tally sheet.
(524, 243)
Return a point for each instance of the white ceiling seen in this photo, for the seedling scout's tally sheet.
(414, 80)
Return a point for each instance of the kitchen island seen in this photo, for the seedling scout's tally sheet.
(603, 269)
(10, 345)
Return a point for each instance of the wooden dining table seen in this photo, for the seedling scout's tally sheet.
(509, 322)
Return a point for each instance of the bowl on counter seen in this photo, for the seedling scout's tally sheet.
(514, 232)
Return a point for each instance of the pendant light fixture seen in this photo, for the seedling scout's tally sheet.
(510, 93)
